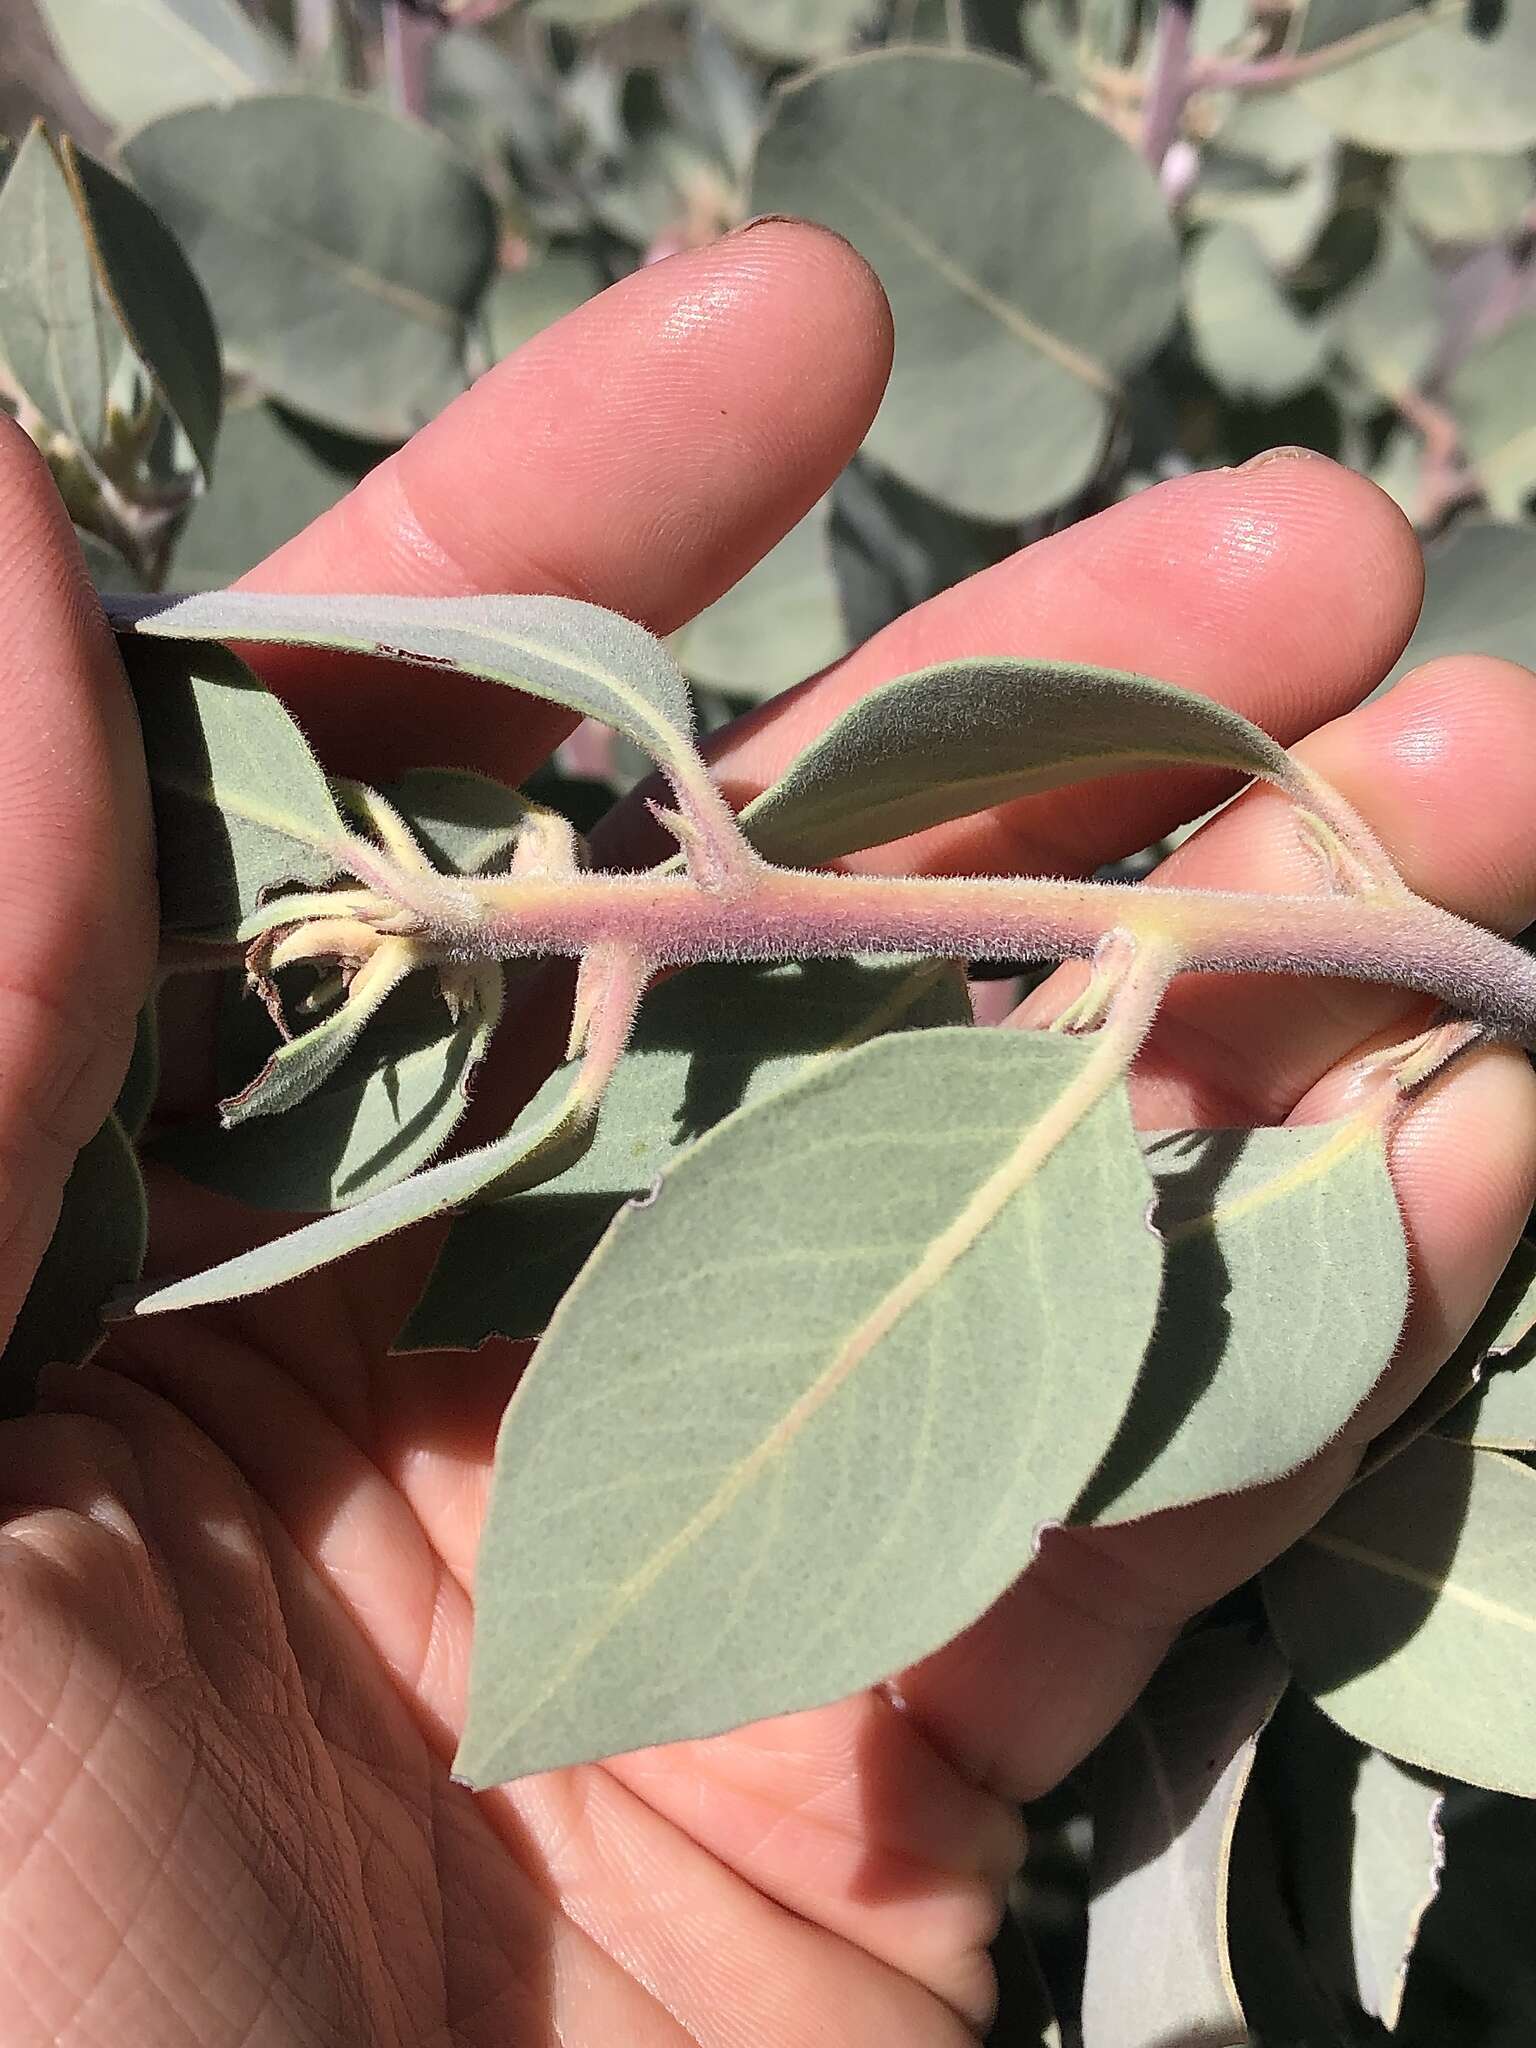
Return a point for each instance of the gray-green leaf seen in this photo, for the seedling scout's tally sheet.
(1250, 339)
(1466, 197)
(709, 1041)
(1010, 347)
(343, 250)
(58, 339)
(952, 740)
(1409, 1612)
(592, 661)
(1166, 1791)
(1493, 395)
(137, 59)
(1284, 1247)
(1479, 597)
(241, 805)
(839, 1466)
(1405, 78)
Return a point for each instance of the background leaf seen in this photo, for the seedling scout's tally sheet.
(1465, 197)
(1420, 79)
(275, 474)
(797, 1400)
(97, 1248)
(343, 250)
(1249, 338)
(1477, 597)
(1493, 395)
(782, 622)
(796, 28)
(1009, 347)
(1284, 1248)
(709, 1041)
(1166, 1791)
(138, 59)
(58, 338)
(1409, 1613)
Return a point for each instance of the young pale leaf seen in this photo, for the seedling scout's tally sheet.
(709, 1041)
(1284, 1247)
(97, 1249)
(156, 298)
(842, 1463)
(241, 805)
(343, 250)
(137, 59)
(782, 622)
(58, 339)
(1250, 339)
(1408, 78)
(999, 319)
(468, 824)
(395, 1207)
(386, 1110)
(952, 740)
(592, 661)
(1409, 1612)
(1166, 1791)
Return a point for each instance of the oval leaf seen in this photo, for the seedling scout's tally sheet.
(343, 250)
(804, 1520)
(1409, 1613)
(709, 1041)
(1404, 78)
(1010, 347)
(949, 741)
(1230, 1395)
(592, 661)
(58, 339)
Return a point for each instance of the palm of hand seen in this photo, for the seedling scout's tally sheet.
(234, 1587)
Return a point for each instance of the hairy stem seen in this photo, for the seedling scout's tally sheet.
(782, 914)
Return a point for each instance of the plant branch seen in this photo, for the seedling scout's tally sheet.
(781, 914)
(1169, 84)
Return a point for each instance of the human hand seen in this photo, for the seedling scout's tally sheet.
(235, 1574)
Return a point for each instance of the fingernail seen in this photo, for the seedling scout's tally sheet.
(1292, 454)
(771, 220)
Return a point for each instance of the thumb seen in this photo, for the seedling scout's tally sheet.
(77, 896)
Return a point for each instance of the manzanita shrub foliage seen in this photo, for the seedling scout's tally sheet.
(775, 1445)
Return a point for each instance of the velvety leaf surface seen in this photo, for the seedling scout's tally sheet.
(590, 660)
(1409, 1613)
(709, 1041)
(97, 1248)
(157, 300)
(1166, 1791)
(743, 1474)
(343, 250)
(137, 59)
(1249, 338)
(394, 1206)
(241, 805)
(1284, 1293)
(999, 320)
(952, 740)
(1417, 79)
(782, 622)
(380, 1115)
